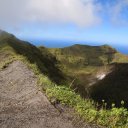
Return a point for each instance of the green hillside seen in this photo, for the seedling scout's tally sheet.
(114, 87)
(11, 48)
(63, 72)
(82, 63)
(84, 55)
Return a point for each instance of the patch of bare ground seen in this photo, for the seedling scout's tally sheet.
(23, 105)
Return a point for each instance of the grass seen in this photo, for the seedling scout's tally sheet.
(83, 63)
(83, 55)
(85, 108)
(113, 118)
(86, 59)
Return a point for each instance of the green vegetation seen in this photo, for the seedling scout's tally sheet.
(113, 88)
(84, 55)
(83, 63)
(10, 47)
(50, 78)
(85, 108)
(113, 118)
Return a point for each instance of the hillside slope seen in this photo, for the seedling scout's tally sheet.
(114, 87)
(84, 55)
(99, 72)
(23, 105)
(10, 47)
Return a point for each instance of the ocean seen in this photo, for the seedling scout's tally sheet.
(61, 43)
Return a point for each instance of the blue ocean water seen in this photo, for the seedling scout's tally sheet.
(122, 49)
(62, 43)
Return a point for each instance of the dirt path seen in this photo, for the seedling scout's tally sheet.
(22, 105)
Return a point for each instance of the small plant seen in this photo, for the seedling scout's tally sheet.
(113, 118)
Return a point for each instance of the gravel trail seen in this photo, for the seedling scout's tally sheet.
(23, 105)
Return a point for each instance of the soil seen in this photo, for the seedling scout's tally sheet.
(23, 105)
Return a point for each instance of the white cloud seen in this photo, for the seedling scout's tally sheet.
(117, 14)
(78, 12)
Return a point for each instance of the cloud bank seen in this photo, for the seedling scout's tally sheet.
(119, 12)
(83, 13)
(77, 12)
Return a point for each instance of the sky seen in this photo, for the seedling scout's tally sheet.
(99, 21)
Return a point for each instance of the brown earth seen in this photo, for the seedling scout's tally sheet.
(23, 105)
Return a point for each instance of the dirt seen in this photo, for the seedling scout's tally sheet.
(23, 105)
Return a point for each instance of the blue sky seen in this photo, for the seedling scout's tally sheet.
(100, 21)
